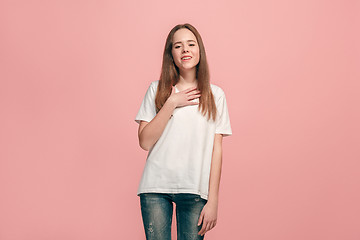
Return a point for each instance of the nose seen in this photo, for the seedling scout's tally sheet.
(185, 49)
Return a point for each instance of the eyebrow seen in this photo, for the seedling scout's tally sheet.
(187, 41)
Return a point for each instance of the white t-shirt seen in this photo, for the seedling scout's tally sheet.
(180, 161)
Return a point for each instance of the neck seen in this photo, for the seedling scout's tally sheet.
(188, 77)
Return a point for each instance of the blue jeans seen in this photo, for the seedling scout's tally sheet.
(157, 211)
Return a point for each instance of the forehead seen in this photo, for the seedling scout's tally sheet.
(183, 35)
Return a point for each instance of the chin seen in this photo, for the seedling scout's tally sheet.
(188, 67)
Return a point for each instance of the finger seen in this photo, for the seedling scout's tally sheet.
(191, 97)
(193, 103)
(190, 89)
(193, 91)
(208, 227)
(200, 218)
(202, 230)
(211, 226)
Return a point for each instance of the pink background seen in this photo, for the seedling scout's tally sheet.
(73, 75)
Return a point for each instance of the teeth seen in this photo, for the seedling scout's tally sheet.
(186, 57)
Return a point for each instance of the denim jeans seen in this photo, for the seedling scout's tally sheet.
(157, 211)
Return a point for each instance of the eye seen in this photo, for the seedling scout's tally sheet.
(177, 46)
(192, 44)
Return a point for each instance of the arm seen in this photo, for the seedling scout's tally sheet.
(150, 132)
(215, 171)
(209, 213)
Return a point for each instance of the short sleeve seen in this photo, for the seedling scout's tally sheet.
(147, 109)
(223, 125)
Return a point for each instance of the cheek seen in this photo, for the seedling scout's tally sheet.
(175, 55)
(197, 53)
(176, 58)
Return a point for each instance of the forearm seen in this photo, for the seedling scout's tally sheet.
(215, 173)
(153, 130)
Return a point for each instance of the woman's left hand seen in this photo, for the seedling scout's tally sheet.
(208, 217)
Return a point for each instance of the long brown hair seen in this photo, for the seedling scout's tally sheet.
(170, 75)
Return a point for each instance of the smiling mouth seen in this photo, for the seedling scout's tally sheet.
(186, 58)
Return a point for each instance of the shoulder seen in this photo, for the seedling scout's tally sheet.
(154, 84)
(153, 87)
(217, 91)
(151, 90)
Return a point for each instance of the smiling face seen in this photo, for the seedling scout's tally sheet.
(185, 50)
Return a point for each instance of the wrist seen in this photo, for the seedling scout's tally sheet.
(171, 103)
(212, 200)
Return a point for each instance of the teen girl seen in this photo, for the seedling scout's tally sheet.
(182, 120)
